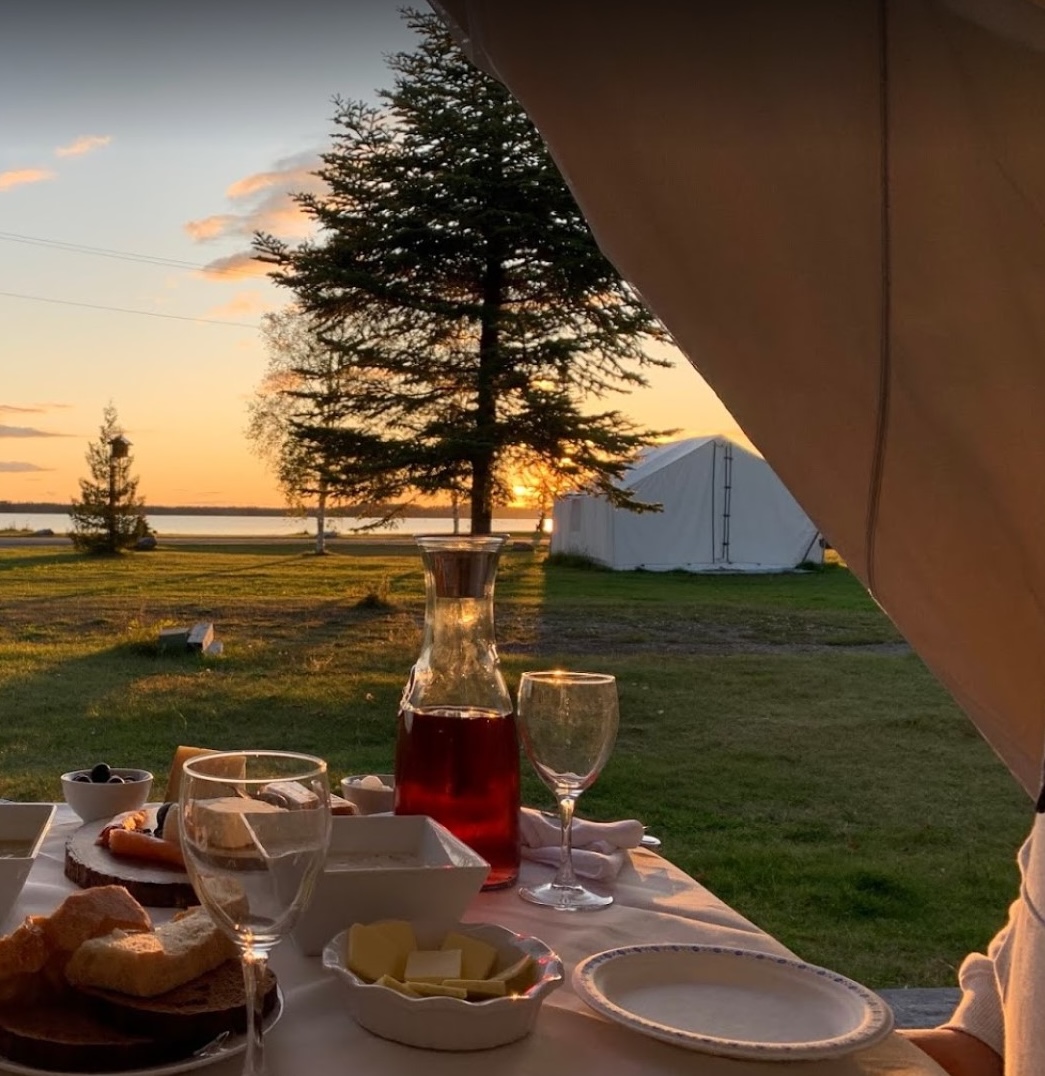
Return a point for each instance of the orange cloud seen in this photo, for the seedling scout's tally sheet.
(84, 144)
(264, 202)
(235, 267)
(20, 176)
(210, 227)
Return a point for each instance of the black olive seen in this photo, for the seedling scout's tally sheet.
(101, 773)
(116, 779)
(82, 776)
(161, 817)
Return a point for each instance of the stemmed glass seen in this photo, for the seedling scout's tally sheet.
(568, 724)
(255, 828)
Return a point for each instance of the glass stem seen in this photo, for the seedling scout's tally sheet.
(254, 964)
(565, 876)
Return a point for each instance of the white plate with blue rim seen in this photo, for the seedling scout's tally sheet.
(733, 1002)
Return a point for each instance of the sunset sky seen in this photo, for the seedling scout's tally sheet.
(141, 144)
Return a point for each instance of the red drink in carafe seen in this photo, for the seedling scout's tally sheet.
(461, 767)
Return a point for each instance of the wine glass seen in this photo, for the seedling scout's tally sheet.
(568, 723)
(255, 827)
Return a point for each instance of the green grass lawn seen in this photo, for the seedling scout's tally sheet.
(776, 732)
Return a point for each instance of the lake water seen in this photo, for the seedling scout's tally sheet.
(258, 526)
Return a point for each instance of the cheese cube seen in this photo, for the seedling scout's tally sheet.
(373, 953)
(432, 965)
(477, 957)
(437, 990)
(479, 988)
(397, 986)
(401, 933)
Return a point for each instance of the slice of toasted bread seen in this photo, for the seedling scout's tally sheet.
(148, 964)
(66, 1038)
(200, 1010)
(92, 913)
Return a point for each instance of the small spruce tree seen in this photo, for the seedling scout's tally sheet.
(109, 516)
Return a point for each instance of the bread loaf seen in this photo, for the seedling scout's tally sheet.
(145, 965)
(92, 913)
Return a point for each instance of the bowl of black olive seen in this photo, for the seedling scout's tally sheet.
(103, 790)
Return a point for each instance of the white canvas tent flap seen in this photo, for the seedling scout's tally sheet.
(838, 209)
(722, 509)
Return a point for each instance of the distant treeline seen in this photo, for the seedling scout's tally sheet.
(362, 511)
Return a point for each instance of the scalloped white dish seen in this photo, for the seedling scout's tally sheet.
(733, 1002)
(441, 1023)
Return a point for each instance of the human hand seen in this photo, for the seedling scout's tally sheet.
(956, 1051)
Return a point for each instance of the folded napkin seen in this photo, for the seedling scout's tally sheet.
(598, 847)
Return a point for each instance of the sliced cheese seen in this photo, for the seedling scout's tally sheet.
(181, 756)
(397, 986)
(437, 990)
(432, 966)
(477, 957)
(373, 953)
(220, 822)
(401, 933)
(479, 988)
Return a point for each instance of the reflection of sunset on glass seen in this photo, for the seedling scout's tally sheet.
(127, 207)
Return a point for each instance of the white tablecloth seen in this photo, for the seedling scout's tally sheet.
(655, 902)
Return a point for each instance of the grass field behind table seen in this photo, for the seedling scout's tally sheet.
(776, 733)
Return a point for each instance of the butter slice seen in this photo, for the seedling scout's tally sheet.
(373, 953)
(437, 990)
(477, 957)
(479, 988)
(432, 966)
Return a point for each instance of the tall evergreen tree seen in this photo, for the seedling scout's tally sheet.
(109, 516)
(496, 317)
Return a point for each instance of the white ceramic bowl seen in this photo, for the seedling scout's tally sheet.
(23, 827)
(389, 867)
(449, 1023)
(369, 800)
(92, 801)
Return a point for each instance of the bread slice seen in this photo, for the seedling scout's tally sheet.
(91, 914)
(66, 1038)
(23, 955)
(145, 965)
(198, 1011)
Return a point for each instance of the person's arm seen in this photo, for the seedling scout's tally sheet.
(958, 1052)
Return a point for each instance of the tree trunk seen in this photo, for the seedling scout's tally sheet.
(321, 523)
(486, 396)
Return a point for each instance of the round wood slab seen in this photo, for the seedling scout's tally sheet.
(153, 884)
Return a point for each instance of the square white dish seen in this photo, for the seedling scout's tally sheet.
(389, 867)
(23, 827)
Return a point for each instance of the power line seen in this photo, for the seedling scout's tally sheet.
(126, 310)
(107, 252)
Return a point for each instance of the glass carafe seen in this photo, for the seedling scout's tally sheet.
(457, 751)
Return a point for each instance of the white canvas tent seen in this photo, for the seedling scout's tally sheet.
(838, 210)
(723, 510)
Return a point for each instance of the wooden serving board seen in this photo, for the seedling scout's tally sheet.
(153, 884)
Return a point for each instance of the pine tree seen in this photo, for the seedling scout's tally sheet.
(109, 516)
(494, 318)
